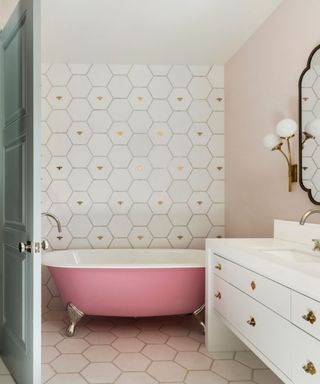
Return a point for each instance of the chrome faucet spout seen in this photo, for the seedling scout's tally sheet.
(307, 214)
(54, 218)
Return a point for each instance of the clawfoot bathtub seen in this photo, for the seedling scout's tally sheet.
(130, 282)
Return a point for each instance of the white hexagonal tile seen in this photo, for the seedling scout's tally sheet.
(100, 121)
(59, 144)
(309, 78)
(199, 225)
(160, 179)
(72, 346)
(120, 226)
(45, 156)
(80, 226)
(216, 76)
(59, 98)
(45, 86)
(120, 133)
(140, 121)
(309, 168)
(120, 202)
(216, 168)
(120, 87)
(160, 110)
(140, 145)
(193, 361)
(199, 156)
(160, 156)
(59, 168)
(216, 145)
(199, 202)
(180, 145)
(160, 243)
(140, 75)
(140, 191)
(140, 237)
(58, 74)
(216, 99)
(79, 202)
(199, 87)
(180, 75)
(167, 371)
(200, 111)
(140, 214)
(200, 179)
(79, 133)
(120, 156)
(140, 168)
(204, 377)
(160, 87)
(159, 352)
(45, 202)
(231, 370)
(159, 70)
(180, 214)
(199, 70)
(79, 86)
(45, 179)
(99, 145)
(160, 133)
(160, 202)
(180, 122)
(216, 122)
(120, 179)
(309, 147)
(99, 75)
(79, 179)
(216, 191)
(45, 109)
(140, 99)
(99, 98)
(316, 180)
(180, 99)
(180, 191)
(100, 167)
(200, 134)
(135, 378)
(100, 191)
(119, 69)
(316, 88)
(120, 110)
(131, 361)
(180, 168)
(45, 132)
(59, 191)
(59, 121)
(79, 156)
(160, 226)
(101, 373)
(99, 214)
(79, 109)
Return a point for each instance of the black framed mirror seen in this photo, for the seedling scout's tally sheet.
(309, 127)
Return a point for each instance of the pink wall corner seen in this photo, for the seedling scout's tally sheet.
(262, 88)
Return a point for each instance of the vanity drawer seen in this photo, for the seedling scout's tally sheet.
(267, 331)
(220, 296)
(305, 358)
(305, 313)
(266, 291)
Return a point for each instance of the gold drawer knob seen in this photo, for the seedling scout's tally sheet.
(253, 285)
(310, 368)
(218, 266)
(252, 322)
(218, 295)
(310, 317)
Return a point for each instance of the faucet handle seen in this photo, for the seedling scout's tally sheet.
(316, 246)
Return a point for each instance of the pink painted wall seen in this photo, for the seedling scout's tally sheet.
(262, 88)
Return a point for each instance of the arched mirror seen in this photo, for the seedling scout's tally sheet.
(309, 127)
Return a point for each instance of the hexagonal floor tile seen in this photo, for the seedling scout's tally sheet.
(204, 377)
(128, 344)
(193, 361)
(69, 363)
(135, 378)
(131, 362)
(231, 370)
(73, 378)
(100, 353)
(100, 338)
(101, 373)
(72, 346)
(249, 359)
(167, 371)
(183, 344)
(159, 352)
(153, 337)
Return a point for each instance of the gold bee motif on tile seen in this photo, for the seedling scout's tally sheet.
(140, 98)
(79, 132)
(59, 237)
(59, 167)
(199, 202)
(160, 202)
(179, 98)
(120, 202)
(179, 237)
(79, 202)
(160, 133)
(199, 133)
(219, 168)
(140, 168)
(219, 99)
(100, 167)
(59, 98)
(99, 237)
(120, 133)
(140, 237)
(305, 98)
(99, 98)
(180, 168)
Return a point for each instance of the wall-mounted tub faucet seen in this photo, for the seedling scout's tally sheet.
(54, 218)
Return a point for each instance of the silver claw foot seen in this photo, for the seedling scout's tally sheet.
(75, 315)
(199, 314)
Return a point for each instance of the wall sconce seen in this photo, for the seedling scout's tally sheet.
(285, 131)
(312, 130)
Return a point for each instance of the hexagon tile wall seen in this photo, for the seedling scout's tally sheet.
(133, 155)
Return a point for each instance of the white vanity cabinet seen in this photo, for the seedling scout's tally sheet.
(281, 325)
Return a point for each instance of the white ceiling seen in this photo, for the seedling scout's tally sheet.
(149, 31)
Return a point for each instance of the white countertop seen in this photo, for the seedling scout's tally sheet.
(300, 276)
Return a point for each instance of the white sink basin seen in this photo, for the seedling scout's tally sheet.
(292, 255)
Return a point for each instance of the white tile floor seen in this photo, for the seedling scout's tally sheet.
(141, 351)
(5, 377)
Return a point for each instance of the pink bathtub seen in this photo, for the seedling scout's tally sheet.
(132, 282)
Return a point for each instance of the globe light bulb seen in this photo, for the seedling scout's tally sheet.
(286, 127)
(271, 140)
(313, 128)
